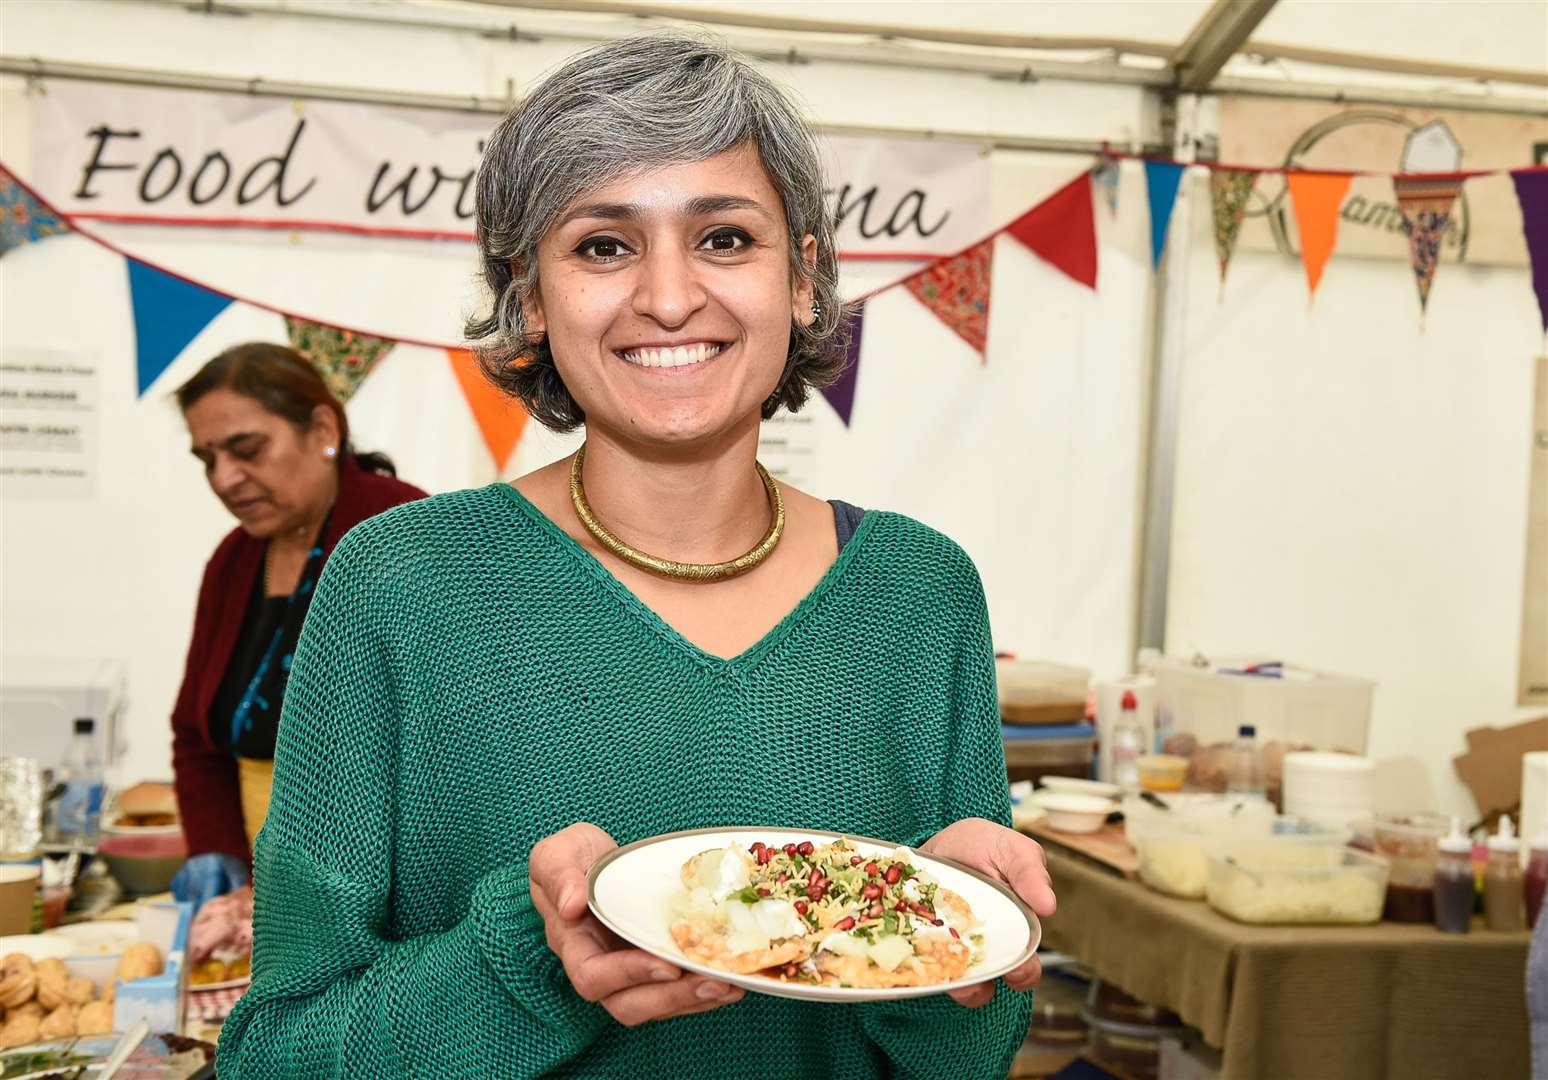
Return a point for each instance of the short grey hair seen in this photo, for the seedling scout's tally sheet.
(622, 108)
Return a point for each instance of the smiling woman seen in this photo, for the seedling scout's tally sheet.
(496, 686)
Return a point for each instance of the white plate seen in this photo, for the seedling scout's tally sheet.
(630, 889)
(1073, 786)
(36, 946)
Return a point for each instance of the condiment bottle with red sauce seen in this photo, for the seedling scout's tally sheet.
(1535, 881)
(1502, 880)
(1454, 881)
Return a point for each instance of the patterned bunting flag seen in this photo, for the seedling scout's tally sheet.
(169, 312)
(1161, 180)
(1104, 177)
(342, 357)
(1426, 203)
(1532, 193)
(841, 395)
(1229, 190)
(500, 418)
(1062, 229)
(23, 219)
(1317, 198)
(957, 291)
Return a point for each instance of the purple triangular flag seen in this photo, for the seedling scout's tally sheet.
(1532, 191)
(841, 395)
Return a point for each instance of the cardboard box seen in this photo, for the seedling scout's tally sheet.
(160, 1000)
(1491, 768)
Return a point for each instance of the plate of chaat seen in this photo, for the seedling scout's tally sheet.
(812, 915)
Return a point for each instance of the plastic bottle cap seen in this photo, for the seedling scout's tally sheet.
(1130, 702)
(85, 725)
(1247, 731)
(1505, 839)
(1456, 841)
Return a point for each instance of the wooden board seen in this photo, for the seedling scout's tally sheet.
(1108, 845)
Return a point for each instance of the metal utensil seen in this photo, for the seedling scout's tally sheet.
(1255, 878)
(1155, 800)
(123, 1048)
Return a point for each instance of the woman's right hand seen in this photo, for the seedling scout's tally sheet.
(631, 984)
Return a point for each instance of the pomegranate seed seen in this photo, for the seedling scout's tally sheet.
(789, 849)
(893, 873)
(764, 855)
(937, 922)
(801, 907)
(876, 910)
(856, 860)
(783, 877)
(805, 847)
(872, 869)
(815, 876)
(817, 889)
(791, 971)
(762, 891)
(871, 890)
(901, 905)
(955, 934)
(846, 923)
(756, 849)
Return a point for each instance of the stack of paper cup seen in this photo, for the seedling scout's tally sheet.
(1334, 790)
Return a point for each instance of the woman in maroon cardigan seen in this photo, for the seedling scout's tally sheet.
(275, 446)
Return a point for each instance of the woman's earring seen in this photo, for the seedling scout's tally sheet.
(816, 310)
(330, 452)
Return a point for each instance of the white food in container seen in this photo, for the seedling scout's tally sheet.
(1271, 882)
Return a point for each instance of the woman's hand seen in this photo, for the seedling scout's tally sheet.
(631, 984)
(1014, 859)
(208, 875)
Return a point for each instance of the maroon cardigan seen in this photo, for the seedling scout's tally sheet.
(206, 775)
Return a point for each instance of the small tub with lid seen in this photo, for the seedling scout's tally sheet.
(1282, 881)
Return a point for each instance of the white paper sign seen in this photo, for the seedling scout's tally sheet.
(49, 425)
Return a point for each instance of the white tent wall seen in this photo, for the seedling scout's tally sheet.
(1031, 460)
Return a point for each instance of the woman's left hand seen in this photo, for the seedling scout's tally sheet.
(1012, 858)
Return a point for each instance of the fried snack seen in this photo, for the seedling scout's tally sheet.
(109, 990)
(708, 943)
(53, 978)
(59, 1024)
(18, 980)
(28, 1008)
(139, 961)
(79, 991)
(240, 968)
(95, 1019)
(20, 1031)
(211, 971)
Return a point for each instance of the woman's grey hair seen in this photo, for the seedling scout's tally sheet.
(619, 109)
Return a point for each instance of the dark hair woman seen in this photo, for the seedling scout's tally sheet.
(275, 447)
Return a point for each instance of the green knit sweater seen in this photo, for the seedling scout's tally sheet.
(470, 680)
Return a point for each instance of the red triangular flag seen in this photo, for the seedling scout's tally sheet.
(956, 290)
(1062, 229)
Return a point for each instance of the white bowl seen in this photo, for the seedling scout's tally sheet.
(1076, 813)
(1073, 786)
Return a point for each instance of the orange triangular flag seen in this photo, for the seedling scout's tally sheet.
(1317, 198)
(500, 419)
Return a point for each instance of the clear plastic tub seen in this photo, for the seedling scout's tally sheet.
(1174, 855)
(1282, 880)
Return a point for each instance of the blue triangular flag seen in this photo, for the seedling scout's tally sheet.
(841, 395)
(1161, 180)
(168, 313)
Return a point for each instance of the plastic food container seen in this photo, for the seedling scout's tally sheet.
(1076, 813)
(1033, 752)
(1174, 856)
(1280, 880)
(1162, 772)
(1039, 692)
(1409, 843)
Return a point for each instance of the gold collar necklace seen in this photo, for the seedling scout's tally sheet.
(666, 567)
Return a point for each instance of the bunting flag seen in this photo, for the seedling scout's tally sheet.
(500, 418)
(1229, 190)
(841, 395)
(169, 312)
(1104, 177)
(957, 291)
(1161, 180)
(1532, 193)
(1062, 229)
(23, 219)
(1317, 198)
(1426, 203)
(342, 357)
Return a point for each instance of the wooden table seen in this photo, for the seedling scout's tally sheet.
(1315, 1002)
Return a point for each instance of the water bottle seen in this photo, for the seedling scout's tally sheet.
(1245, 776)
(80, 805)
(1128, 745)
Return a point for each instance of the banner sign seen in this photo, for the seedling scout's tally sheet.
(120, 153)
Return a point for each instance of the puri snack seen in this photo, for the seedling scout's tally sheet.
(95, 1019)
(825, 915)
(31, 1008)
(20, 1031)
(53, 979)
(18, 980)
(139, 961)
(59, 1024)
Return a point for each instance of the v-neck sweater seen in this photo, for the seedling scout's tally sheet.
(470, 680)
